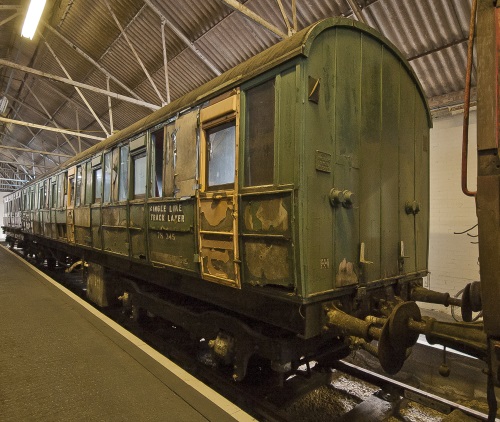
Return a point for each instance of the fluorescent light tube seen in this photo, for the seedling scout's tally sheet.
(32, 18)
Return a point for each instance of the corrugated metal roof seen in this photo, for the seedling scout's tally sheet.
(431, 33)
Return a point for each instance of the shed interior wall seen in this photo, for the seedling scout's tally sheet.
(453, 258)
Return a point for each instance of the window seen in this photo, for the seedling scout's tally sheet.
(53, 191)
(64, 179)
(88, 184)
(259, 136)
(46, 194)
(157, 144)
(107, 177)
(123, 183)
(221, 152)
(41, 197)
(139, 170)
(78, 191)
(72, 191)
(97, 181)
(115, 164)
(62, 193)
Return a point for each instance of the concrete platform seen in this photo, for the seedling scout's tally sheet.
(61, 360)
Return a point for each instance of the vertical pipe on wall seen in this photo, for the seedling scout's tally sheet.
(465, 134)
(110, 109)
(165, 64)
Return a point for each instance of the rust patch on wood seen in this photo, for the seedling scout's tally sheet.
(215, 211)
(268, 263)
(346, 274)
(270, 215)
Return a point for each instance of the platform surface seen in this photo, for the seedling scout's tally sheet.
(61, 360)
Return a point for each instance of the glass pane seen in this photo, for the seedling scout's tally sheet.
(140, 175)
(97, 185)
(221, 154)
(54, 194)
(115, 165)
(123, 173)
(60, 191)
(259, 143)
(78, 185)
(157, 170)
(64, 184)
(107, 177)
(72, 191)
(88, 188)
(46, 194)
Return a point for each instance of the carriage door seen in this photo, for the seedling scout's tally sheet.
(70, 205)
(218, 194)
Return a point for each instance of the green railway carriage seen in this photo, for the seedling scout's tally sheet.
(296, 180)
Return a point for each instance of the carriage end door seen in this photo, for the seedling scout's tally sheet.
(218, 193)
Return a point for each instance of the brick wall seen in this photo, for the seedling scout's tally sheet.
(453, 259)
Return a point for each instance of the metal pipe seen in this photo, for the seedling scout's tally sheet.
(109, 108)
(50, 129)
(165, 64)
(78, 84)
(421, 294)
(78, 130)
(465, 133)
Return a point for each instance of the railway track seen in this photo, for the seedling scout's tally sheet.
(310, 395)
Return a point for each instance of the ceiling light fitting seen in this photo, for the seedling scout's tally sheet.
(35, 10)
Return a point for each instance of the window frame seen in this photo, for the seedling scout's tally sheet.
(227, 120)
(107, 173)
(245, 127)
(134, 156)
(95, 199)
(127, 172)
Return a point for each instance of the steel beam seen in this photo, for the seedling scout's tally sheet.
(80, 93)
(285, 17)
(356, 10)
(6, 20)
(57, 154)
(51, 118)
(91, 60)
(235, 5)
(21, 181)
(185, 39)
(141, 64)
(50, 129)
(78, 84)
(14, 163)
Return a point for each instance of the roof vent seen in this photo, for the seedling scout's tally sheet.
(3, 105)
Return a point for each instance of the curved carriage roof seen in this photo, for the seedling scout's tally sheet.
(297, 45)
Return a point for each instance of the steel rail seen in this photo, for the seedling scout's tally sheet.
(414, 393)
